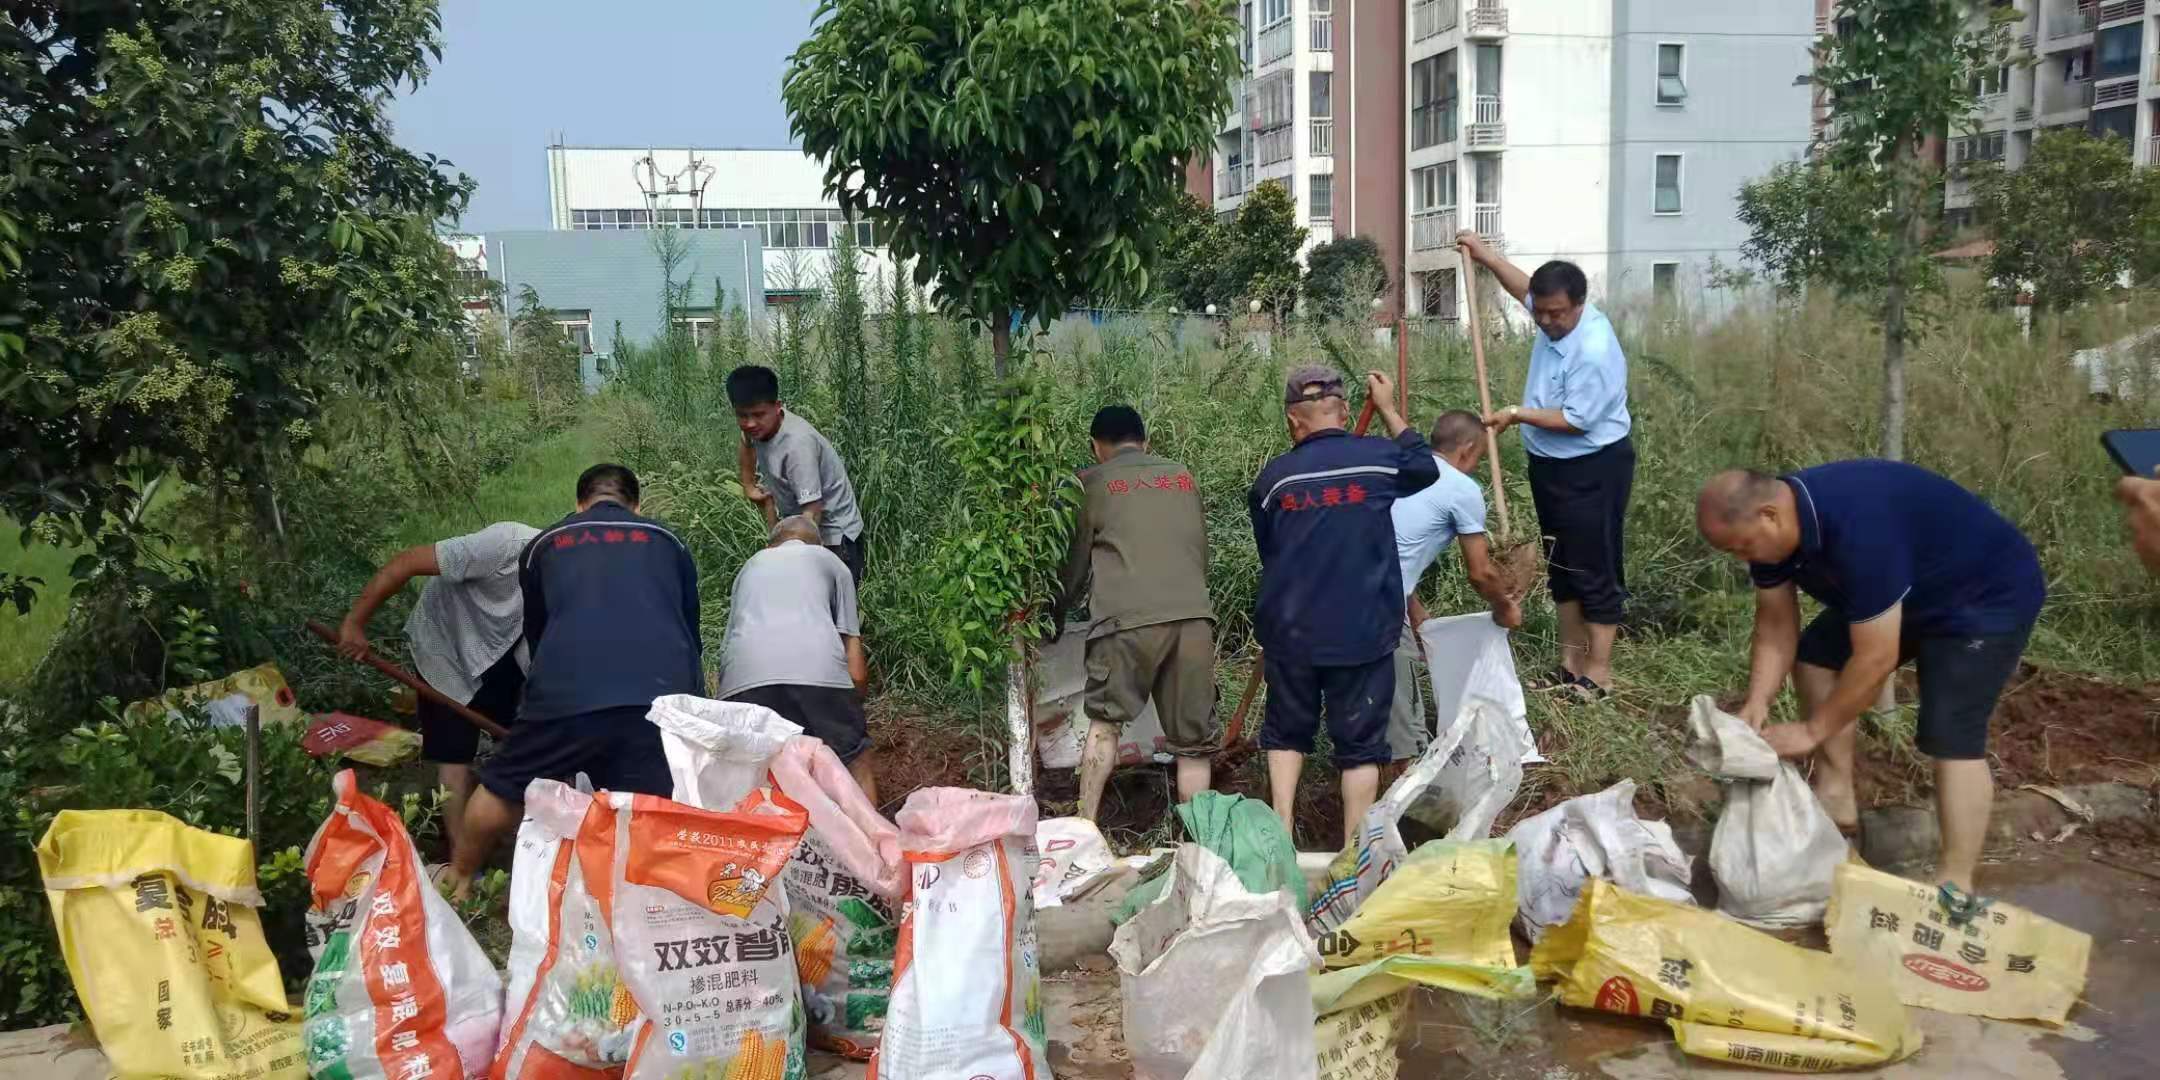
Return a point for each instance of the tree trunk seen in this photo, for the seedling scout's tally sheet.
(1000, 344)
(1904, 217)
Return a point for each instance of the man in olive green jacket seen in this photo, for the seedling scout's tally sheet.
(1141, 538)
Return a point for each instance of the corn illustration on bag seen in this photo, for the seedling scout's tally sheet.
(567, 1014)
(158, 925)
(2007, 963)
(967, 988)
(400, 989)
(1728, 992)
(844, 938)
(700, 926)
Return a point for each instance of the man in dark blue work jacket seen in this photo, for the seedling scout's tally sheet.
(611, 613)
(1909, 567)
(1331, 607)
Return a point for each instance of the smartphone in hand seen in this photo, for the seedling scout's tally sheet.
(2135, 450)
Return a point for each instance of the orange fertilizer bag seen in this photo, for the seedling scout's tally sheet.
(700, 927)
(400, 990)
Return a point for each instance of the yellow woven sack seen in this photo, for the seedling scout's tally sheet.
(1450, 900)
(1728, 992)
(158, 925)
(262, 684)
(2008, 963)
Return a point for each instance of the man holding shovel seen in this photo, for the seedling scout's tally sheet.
(1908, 567)
(1452, 511)
(1575, 423)
(467, 640)
(1331, 596)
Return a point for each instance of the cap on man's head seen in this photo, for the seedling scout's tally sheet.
(1311, 382)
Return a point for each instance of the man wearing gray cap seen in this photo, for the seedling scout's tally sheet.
(1331, 594)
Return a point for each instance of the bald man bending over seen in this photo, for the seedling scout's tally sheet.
(1908, 567)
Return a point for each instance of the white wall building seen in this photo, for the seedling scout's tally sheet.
(778, 192)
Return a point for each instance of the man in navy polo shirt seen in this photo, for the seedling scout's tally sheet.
(1908, 566)
(611, 613)
(1331, 595)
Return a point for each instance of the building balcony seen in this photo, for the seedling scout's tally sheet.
(1486, 220)
(1320, 230)
(1487, 19)
(1233, 180)
(1434, 229)
(1272, 146)
(1432, 17)
(1486, 132)
(1320, 36)
(2068, 22)
(2065, 98)
(1323, 137)
(2152, 150)
(2120, 10)
(1274, 43)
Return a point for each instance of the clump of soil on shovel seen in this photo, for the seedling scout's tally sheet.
(1522, 566)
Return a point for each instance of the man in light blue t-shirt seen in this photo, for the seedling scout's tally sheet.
(1576, 436)
(1451, 511)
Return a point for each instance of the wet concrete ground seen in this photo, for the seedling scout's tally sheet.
(2115, 1033)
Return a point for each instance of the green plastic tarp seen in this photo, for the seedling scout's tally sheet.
(1248, 836)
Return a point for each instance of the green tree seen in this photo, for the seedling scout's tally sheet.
(846, 350)
(1195, 255)
(217, 232)
(2069, 223)
(1264, 243)
(1013, 150)
(1898, 73)
(1343, 277)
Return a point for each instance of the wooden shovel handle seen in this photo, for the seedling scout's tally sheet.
(419, 685)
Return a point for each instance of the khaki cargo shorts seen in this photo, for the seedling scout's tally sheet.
(1408, 733)
(1174, 663)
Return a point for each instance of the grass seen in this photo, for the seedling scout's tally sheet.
(23, 637)
(537, 489)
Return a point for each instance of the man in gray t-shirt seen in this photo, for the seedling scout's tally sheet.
(466, 635)
(787, 467)
(794, 643)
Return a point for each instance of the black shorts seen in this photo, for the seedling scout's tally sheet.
(1582, 511)
(1357, 701)
(449, 739)
(828, 713)
(1960, 679)
(619, 749)
(851, 554)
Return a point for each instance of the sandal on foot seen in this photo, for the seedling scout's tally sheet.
(1556, 679)
(1960, 907)
(1586, 691)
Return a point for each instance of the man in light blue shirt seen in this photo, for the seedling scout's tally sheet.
(1575, 424)
(1451, 511)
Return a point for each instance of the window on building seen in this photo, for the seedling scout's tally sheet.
(1668, 184)
(1273, 11)
(1671, 78)
(1433, 187)
(1992, 81)
(1245, 28)
(1323, 96)
(1323, 196)
(2119, 50)
(1986, 146)
(1487, 59)
(1436, 294)
(1433, 100)
(700, 327)
(1271, 103)
(2118, 123)
(576, 328)
(1664, 282)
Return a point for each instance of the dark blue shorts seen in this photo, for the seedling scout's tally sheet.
(617, 748)
(830, 713)
(1960, 679)
(1355, 699)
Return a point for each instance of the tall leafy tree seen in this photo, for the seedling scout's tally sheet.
(216, 232)
(1264, 242)
(1898, 73)
(1195, 255)
(1343, 276)
(2069, 223)
(1013, 150)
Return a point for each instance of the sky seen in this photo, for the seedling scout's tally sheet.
(514, 73)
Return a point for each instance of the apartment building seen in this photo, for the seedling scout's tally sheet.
(2073, 64)
(1615, 133)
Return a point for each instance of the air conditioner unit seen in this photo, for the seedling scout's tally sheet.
(2028, 40)
(2023, 113)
